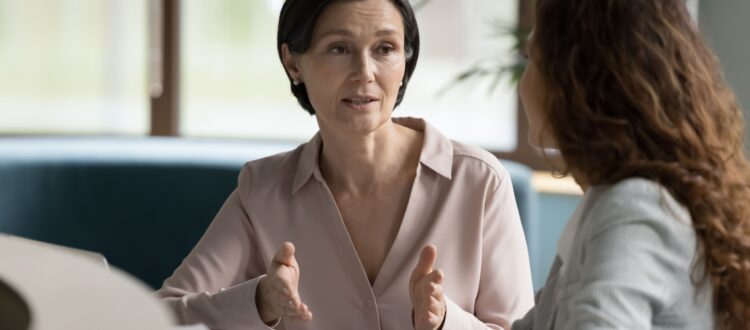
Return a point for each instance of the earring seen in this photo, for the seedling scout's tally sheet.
(295, 82)
(401, 84)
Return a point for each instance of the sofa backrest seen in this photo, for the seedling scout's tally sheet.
(142, 203)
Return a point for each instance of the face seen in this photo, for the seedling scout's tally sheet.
(354, 66)
(532, 90)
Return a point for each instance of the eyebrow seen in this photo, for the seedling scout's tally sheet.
(347, 33)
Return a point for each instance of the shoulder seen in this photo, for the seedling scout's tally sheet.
(474, 162)
(637, 197)
(634, 187)
(272, 171)
(638, 202)
(637, 232)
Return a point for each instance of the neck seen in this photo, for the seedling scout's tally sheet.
(361, 163)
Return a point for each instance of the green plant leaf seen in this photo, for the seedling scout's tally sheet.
(488, 68)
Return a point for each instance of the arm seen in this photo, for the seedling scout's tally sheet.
(505, 289)
(211, 285)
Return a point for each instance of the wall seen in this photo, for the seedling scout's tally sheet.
(726, 25)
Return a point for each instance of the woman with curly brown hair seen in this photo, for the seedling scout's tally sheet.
(643, 119)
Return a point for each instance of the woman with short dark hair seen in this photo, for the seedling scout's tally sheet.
(344, 231)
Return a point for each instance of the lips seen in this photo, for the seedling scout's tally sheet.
(360, 100)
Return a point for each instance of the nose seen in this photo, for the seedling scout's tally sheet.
(364, 68)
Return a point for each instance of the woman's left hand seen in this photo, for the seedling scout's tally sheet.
(426, 292)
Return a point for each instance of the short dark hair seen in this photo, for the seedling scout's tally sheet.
(297, 22)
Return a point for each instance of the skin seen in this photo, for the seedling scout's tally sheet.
(532, 90)
(352, 72)
(426, 291)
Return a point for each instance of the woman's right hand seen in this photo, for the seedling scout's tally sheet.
(277, 294)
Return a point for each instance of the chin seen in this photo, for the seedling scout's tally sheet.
(368, 123)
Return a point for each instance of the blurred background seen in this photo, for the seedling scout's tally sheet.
(87, 67)
(209, 69)
(196, 70)
(91, 67)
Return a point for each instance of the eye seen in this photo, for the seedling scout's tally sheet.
(337, 50)
(386, 49)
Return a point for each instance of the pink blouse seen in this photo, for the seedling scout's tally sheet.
(461, 201)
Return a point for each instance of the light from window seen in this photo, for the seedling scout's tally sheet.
(73, 66)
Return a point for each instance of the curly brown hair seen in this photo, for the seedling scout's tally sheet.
(632, 90)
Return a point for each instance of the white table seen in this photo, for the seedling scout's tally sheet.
(65, 290)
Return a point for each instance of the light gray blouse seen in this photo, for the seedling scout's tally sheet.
(624, 261)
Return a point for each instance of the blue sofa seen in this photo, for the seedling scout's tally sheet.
(141, 202)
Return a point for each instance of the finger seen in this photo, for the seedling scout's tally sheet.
(284, 294)
(438, 276)
(304, 317)
(435, 306)
(438, 294)
(424, 265)
(433, 319)
(423, 297)
(429, 304)
(434, 290)
(284, 287)
(292, 308)
(430, 300)
(435, 276)
(285, 255)
(426, 320)
(304, 309)
(288, 309)
(422, 308)
(424, 285)
(306, 314)
(296, 303)
(289, 300)
(301, 314)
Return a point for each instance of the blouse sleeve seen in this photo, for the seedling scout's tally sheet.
(505, 288)
(216, 283)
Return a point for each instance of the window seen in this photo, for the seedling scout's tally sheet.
(234, 85)
(455, 35)
(73, 66)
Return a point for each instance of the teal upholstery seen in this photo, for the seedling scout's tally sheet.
(142, 203)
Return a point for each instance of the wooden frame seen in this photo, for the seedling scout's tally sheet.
(164, 67)
(524, 152)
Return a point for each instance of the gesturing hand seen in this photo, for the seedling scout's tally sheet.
(277, 294)
(426, 291)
